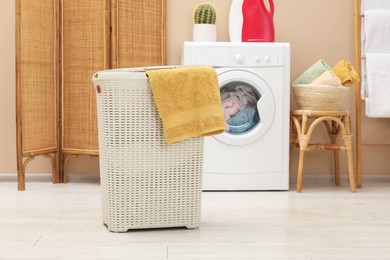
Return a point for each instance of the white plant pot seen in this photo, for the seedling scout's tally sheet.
(204, 33)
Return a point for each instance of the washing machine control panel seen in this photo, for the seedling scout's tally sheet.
(228, 54)
(256, 57)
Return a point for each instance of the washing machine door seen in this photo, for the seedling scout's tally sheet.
(248, 106)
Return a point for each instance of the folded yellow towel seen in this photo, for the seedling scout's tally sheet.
(346, 73)
(188, 102)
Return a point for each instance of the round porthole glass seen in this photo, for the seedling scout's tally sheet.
(239, 107)
(248, 105)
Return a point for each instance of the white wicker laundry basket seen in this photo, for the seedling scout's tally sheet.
(145, 182)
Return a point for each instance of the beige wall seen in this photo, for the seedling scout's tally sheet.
(315, 28)
(7, 87)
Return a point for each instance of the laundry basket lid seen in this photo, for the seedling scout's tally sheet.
(125, 73)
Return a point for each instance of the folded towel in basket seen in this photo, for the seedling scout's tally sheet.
(346, 73)
(188, 101)
(313, 72)
(327, 78)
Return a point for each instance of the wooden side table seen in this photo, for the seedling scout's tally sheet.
(302, 125)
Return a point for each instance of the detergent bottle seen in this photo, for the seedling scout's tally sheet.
(258, 25)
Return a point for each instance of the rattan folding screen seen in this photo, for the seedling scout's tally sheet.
(59, 45)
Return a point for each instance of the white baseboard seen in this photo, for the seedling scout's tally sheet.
(310, 178)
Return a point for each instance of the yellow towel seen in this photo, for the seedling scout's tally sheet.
(188, 101)
(346, 73)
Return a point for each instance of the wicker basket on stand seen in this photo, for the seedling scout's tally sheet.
(145, 182)
(319, 97)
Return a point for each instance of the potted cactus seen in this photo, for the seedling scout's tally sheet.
(204, 27)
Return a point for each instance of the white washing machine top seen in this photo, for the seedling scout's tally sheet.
(236, 54)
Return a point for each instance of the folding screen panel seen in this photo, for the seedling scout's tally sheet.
(138, 29)
(37, 81)
(85, 50)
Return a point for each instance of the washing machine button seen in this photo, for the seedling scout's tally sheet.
(239, 58)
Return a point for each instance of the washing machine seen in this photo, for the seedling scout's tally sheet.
(254, 80)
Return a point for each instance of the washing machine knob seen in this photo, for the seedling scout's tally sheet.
(239, 58)
(267, 58)
(257, 58)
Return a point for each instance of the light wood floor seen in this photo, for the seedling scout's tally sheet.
(63, 221)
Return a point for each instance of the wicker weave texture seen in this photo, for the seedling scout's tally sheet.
(146, 183)
(84, 38)
(140, 33)
(37, 78)
(319, 97)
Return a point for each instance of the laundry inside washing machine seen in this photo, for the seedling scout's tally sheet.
(239, 107)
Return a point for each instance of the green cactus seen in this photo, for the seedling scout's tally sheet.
(205, 13)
